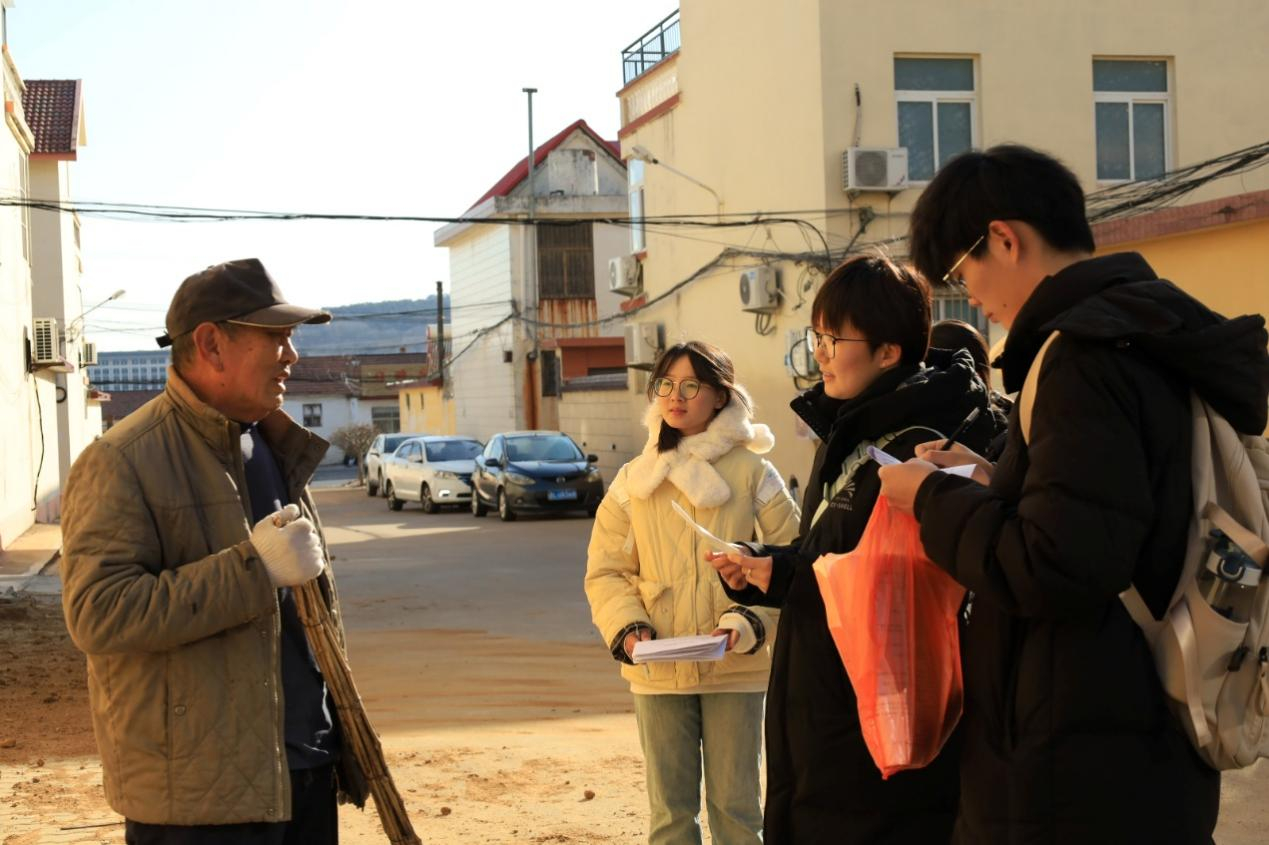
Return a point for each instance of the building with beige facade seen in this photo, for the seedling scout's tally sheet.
(821, 121)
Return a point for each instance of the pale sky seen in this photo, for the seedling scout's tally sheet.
(374, 106)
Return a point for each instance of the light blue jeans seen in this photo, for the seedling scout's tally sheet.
(676, 731)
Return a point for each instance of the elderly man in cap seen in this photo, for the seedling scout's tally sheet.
(185, 527)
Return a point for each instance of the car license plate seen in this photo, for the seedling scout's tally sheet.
(561, 495)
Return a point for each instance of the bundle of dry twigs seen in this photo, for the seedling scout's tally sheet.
(324, 640)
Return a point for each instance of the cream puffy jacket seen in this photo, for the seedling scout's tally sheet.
(645, 564)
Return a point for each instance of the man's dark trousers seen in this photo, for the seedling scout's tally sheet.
(314, 820)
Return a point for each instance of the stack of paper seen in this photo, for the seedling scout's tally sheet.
(704, 647)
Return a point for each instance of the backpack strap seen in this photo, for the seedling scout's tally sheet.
(858, 458)
(1026, 398)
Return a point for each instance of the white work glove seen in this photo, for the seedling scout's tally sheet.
(289, 547)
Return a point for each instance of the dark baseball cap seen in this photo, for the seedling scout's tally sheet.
(237, 291)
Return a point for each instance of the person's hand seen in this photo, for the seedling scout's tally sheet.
(289, 546)
(733, 637)
(633, 638)
(956, 456)
(899, 482)
(739, 570)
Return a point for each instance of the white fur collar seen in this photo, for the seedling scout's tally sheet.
(690, 466)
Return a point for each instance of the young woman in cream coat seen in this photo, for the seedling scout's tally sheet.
(646, 577)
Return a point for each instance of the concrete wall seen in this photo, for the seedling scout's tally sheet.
(1227, 267)
(601, 423)
(426, 410)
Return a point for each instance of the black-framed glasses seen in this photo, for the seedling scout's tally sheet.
(950, 277)
(688, 387)
(826, 342)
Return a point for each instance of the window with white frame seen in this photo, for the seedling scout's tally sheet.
(313, 415)
(638, 238)
(1131, 102)
(937, 111)
(955, 306)
(386, 419)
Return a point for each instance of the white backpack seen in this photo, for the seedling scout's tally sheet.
(1214, 666)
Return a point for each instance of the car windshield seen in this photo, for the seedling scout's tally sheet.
(557, 448)
(453, 450)
(391, 443)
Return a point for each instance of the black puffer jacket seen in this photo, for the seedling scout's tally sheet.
(1067, 737)
(822, 785)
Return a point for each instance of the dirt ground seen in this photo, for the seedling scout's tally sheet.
(557, 764)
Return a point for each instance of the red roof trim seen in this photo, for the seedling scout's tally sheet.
(520, 172)
(1177, 220)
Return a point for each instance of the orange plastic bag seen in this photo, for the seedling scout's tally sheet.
(892, 614)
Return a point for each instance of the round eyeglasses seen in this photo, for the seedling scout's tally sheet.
(688, 388)
(827, 343)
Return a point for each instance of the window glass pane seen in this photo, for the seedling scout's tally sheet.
(954, 131)
(1147, 140)
(916, 132)
(1112, 141)
(934, 74)
(1129, 76)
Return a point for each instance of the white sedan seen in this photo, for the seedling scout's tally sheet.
(433, 470)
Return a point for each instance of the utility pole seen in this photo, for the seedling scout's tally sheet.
(530, 282)
(440, 334)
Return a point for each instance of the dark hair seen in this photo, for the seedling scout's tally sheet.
(957, 334)
(1008, 182)
(712, 366)
(183, 344)
(884, 301)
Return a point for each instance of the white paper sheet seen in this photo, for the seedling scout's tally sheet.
(886, 459)
(710, 540)
(702, 647)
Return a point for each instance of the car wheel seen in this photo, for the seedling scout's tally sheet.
(505, 513)
(372, 487)
(425, 499)
(393, 502)
(477, 507)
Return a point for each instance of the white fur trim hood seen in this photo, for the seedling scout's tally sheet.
(690, 466)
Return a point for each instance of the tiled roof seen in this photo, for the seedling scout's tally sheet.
(52, 112)
(517, 174)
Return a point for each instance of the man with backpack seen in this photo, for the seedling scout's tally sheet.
(1069, 736)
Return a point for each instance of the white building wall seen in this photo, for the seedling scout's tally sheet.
(22, 484)
(56, 276)
(337, 411)
(483, 384)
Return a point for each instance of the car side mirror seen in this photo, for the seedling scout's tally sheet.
(592, 459)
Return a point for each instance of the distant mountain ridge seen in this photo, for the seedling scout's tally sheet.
(388, 326)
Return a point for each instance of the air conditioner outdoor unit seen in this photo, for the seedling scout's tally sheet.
(875, 169)
(44, 345)
(643, 344)
(88, 358)
(624, 275)
(759, 290)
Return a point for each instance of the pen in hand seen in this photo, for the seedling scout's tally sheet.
(960, 430)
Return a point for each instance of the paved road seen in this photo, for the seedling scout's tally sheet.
(454, 571)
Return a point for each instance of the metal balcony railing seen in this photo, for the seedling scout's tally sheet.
(651, 48)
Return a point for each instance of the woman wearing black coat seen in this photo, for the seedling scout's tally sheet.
(871, 323)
